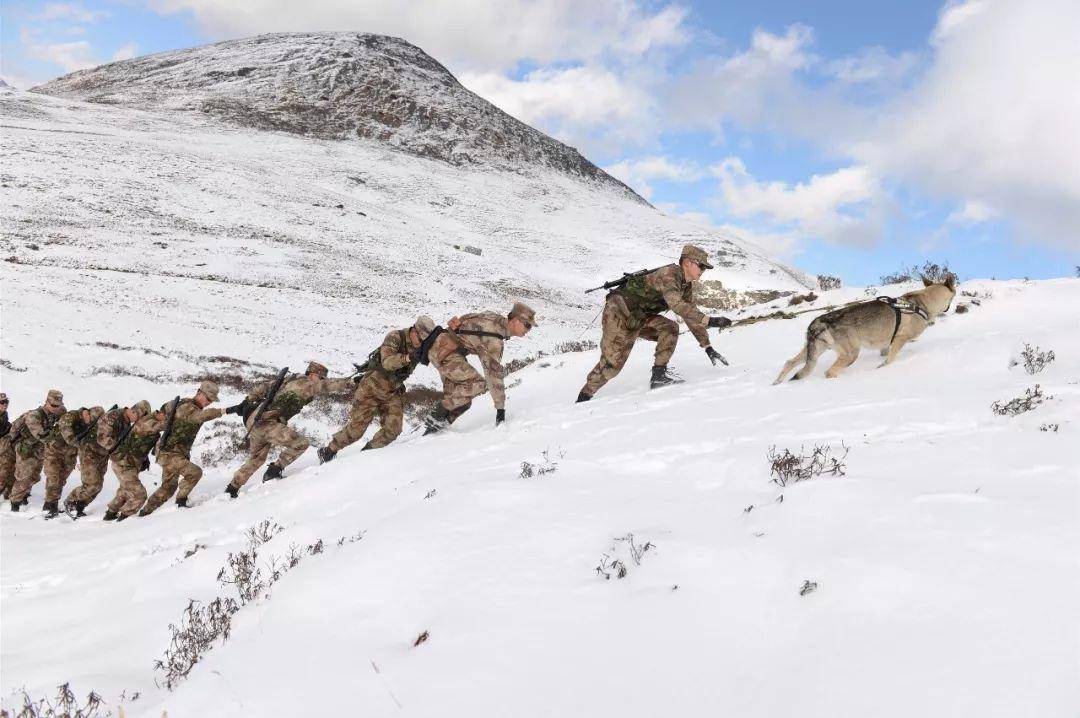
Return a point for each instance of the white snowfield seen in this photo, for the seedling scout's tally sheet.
(946, 559)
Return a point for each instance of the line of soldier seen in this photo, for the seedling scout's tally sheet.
(52, 438)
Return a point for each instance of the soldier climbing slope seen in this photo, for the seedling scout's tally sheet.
(269, 425)
(133, 434)
(482, 334)
(7, 451)
(28, 435)
(93, 461)
(633, 309)
(174, 452)
(381, 391)
(62, 450)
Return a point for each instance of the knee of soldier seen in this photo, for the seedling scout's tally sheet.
(301, 444)
(667, 329)
(194, 472)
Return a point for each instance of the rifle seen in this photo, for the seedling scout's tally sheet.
(86, 432)
(626, 277)
(120, 439)
(266, 400)
(168, 426)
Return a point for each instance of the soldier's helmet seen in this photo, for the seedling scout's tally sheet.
(522, 311)
(210, 389)
(318, 369)
(696, 254)
(142, 408)
(95, 412)
(3, 397)
(424, 326)
(55, 397)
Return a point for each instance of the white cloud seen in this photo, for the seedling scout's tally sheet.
(474, 35)
(872, 64)
(126, 52)
(637, 173)
(845, 207)
(70, 56)
(71, 11)
(994, 118)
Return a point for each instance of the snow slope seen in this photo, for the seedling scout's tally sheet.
(946, 559)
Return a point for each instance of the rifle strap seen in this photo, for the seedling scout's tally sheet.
(479, 333)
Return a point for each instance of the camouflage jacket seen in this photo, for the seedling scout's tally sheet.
(295, 393)
(66, 431)
(140, 440)
(32, 428)
(396, 365)
(663, 289)
(186, 424)
(5, 425)
(488, 349)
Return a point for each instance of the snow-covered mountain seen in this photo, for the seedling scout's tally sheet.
(332, 85)
(944, 561)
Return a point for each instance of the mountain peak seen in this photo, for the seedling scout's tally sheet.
(332, 85)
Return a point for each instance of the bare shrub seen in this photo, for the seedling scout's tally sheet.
(802, 298)
(961, 309)
(1052, 428)
(1033, 359)
(544, 467)
(225, 440)
(788, 467)
(11, 367)
(561, 348)
(199, 627)
(808, 586)
(609, 566)
(825, 282)
(636, 551)
(930, 270)
(350, 539)
(1032, 398)
(64, 705)
(420, 401)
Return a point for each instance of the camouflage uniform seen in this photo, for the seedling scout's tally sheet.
(633, 311)
(94, 458)
(32, 428)
(7, 451)
(270, 429)
(61, 452)
(461, 382)
(174, 454)
(382, 391)
(128, 458)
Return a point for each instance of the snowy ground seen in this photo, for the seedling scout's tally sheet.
(946, 559)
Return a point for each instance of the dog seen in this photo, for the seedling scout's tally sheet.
(884, 323)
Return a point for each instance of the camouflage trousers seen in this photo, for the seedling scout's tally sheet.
(27, 472)
(131, 494)
(176, 470)
(461, 382)
(620, 331)
(93, 462)
(7, 466)
(59, 463)
(373, 398)
(263, 437)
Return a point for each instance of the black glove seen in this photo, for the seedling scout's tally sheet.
(236, 408)
(715, 356)
(500, 416)
(145, 464)
(719, 322)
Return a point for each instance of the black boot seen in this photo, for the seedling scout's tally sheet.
(110, 515)
(15, 505)
(145, 511)
(182, 503)
(326, 454)
(661, 377)
(51, 509)
(232, 491)
(121, 517)
(273, 471)
(77, 506)
(582, 396)
(437, 420)
(366, 446)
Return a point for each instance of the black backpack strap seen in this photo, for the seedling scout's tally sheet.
(478, 333)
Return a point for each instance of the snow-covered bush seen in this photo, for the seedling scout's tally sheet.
(825, 282)
(1032, 398)
(199, 627)
(788, 467)
(611, 565)
(1033, 359)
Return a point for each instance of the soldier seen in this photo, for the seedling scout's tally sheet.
(174, 453)
(133, 432)
(61, 451)
(482, 334)
(633, 310)
(270, 428)
(7, 451)
(382, 390)
(93, 459)
(28, 434)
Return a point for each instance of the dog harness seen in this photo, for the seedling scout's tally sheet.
(900, 307)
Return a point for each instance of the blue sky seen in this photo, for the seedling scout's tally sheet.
(850, 138)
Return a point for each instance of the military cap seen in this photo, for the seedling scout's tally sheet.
(55, 397)
(210, 389)
(318, 369)
(696, 254)
(3, 396)
(142, 408)
(95, 412)
(524, 313)
(424, 326)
